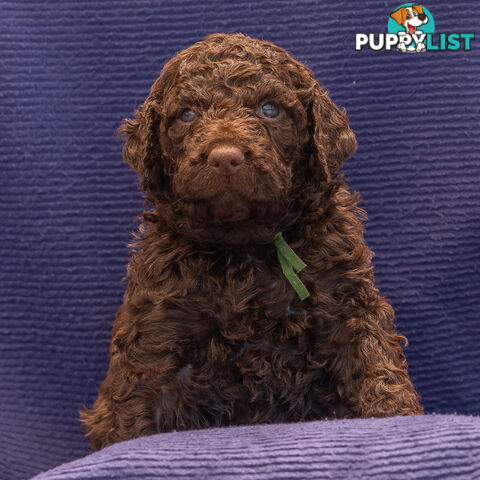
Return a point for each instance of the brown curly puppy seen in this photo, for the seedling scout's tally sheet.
(235, 143)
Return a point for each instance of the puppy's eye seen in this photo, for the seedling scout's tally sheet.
(268, 109)
(408, 15)
(188, 116)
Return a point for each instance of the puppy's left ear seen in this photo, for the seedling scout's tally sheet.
(418, 9)
(333, 142)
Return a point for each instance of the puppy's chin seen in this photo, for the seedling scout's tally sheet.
(230, 219)
(220, 214)
(230, 207)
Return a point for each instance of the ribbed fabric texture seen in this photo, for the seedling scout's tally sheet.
(429, 447)
(70, 71)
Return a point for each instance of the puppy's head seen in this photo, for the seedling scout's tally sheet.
(230, 128)
(410, 17)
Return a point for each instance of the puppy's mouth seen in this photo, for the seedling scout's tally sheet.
(246, 198)
(411, 28)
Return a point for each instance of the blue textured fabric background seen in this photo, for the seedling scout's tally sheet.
(70, 71)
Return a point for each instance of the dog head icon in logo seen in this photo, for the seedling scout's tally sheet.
(411, 22)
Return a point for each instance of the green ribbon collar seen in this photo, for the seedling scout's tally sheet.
(290, 261)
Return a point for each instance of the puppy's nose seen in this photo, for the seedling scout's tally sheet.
(225, 159)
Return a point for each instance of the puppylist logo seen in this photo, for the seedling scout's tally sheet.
(411, 29)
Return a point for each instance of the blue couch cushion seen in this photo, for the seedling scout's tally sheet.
(430, 446)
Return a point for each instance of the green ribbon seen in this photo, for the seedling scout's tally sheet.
(289, 261)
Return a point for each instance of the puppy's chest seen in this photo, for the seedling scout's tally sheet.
(239, 322)
(238, 309)
(251, 312)
(248, 278)
(264, 343)
(251, 292)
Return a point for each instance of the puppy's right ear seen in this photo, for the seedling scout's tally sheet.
(399, 15)
(142, 148)
(136, 132)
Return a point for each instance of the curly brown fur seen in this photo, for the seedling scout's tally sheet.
(210, 332)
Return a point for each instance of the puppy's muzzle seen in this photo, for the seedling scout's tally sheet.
(225, 159)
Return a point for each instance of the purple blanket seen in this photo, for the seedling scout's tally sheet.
(427, 447)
